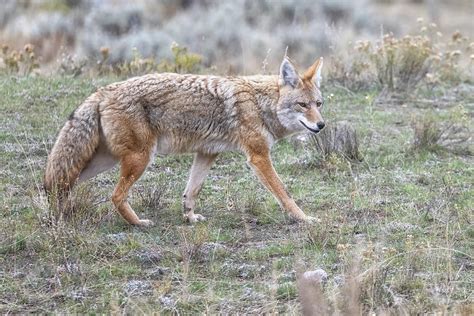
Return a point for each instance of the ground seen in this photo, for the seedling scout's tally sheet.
(399, 223)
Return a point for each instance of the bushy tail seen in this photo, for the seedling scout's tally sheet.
(74, 147)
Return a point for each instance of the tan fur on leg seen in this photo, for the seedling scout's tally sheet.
(262, 165)
(132, 167)
(199, 170)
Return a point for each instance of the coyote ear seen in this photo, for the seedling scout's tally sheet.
(314, 72)
(288, 73)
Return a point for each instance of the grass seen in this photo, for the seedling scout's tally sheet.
(398, 224)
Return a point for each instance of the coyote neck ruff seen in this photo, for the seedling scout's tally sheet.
(128, 122)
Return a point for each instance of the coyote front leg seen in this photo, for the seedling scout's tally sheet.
(262, 165)
(201, 165)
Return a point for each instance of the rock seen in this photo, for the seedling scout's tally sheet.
(167, 301)
(339, 280)
(77, 295)
(211, 249)
(138, 288)
(289, 276)
(394, 227)
(158, 273)
(119, 237)
(249, 271)
(317, 276)
(149, 257)
(251, 295)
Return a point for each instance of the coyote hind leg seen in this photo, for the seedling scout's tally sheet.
(132, 167)
(201, 165)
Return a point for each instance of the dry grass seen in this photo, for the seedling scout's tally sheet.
(432, 132)
(338, 138)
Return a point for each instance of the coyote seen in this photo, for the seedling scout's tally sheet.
(130, 121)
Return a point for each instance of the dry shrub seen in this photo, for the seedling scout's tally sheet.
(340, 139)
(451, 133)
(79, 209)
(182, 61)
(427, 133)
(71, 66)
(191, 239)
(401, 64)
(152, 198)
(18, 62)
(392, 63)
(349, 301)
(312, 298)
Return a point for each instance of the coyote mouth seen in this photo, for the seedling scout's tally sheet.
(311, 129)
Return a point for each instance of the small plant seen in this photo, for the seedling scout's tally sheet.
(138, 65)
(183, 61)
(19, 62)
(451, 132)
(339, 139)
(191, 241)
(79, 209)
(399, 65)
(427, 133)
(69, 65)
(153, 197)
(103, 64)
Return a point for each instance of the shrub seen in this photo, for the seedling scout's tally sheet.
(427, 133)
(137, 66)
(69, 65)
(399, 65)
(450, 132)
(153, 198)
(75, 210)
(338, 139)
(19, 62)
(182, 62)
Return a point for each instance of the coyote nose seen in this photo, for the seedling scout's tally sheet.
(321, 125)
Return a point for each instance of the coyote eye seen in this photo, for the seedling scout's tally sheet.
(319, 104)
(303, 105)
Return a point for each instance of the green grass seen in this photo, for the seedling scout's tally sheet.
(400, 219)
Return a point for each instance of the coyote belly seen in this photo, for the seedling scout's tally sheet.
(128, 122)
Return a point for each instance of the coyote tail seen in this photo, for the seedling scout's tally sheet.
(76, 143)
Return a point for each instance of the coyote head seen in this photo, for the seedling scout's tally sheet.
(300, 100)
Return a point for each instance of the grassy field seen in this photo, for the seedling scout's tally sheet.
(395, 235)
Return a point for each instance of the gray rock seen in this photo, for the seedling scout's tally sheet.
(248, 271)
(138, 288)
(288, 276)
(119, 237)
(316, 276)
(251, 295)
(158, 273)
(339, 280)
(77, 295)
(211, 249)
(167, 301)
(147, 256)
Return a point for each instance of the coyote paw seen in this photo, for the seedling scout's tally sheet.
(145, 223)
(193, 218)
